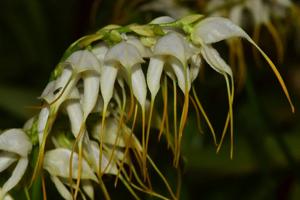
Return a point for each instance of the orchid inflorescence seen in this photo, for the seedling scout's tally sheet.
(101, 86)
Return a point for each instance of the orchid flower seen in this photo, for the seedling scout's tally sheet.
(57, 163)
(81, 64)
(129, 65)
(15, 146)
(174, 51)
(215, 29)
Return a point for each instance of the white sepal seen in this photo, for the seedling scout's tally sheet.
(154, 73)
(107, 82)
(57, 163)
(6, 159)
(179, 71)
(91, 84)
(17, 174)
(99, 50)
(111, 169)
(195, 65)
(15, 141)
(84, 60)
(61, 188)
(171, 44)
(213, 58)
(162, 19)
(42, 121)
(138, 83)
(215, 29)
(75, 114)
(144, 51)
(124, 53)
(110, 133)
(28, 124)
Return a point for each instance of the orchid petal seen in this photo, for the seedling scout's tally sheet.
(178, 69)
(28, 124)
(61, 188)
(144, 51)
(84, 60)
(16, 175)
(55, 88)
(57, 163)
(111, 169)
(42, 121)
(110, 134)
(171, 44)
(124, 53)
(75, 114)
(163, 19)
(99, 50)
(107, 82)
(154, 73)
(91, 84)
(99, 105)
(138, 83)
(215, 29)
(195, 65)
(15, 141)
(6, 159)
(213, 58)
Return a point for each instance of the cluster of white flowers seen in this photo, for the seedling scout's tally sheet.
(90, 87)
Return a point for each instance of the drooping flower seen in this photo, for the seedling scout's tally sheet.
(15, 146)
(129, 64)
(215, 29)
(57, 163)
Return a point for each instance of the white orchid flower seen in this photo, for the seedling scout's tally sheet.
(85, 62)
(129, 62)
(215, 29)
(106, 166)
(171, 50)
(113, 134)
(57, 163)
(15, 146)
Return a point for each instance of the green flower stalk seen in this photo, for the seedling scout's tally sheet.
(89, 127)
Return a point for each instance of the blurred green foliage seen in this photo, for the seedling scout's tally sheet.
(35, 33)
